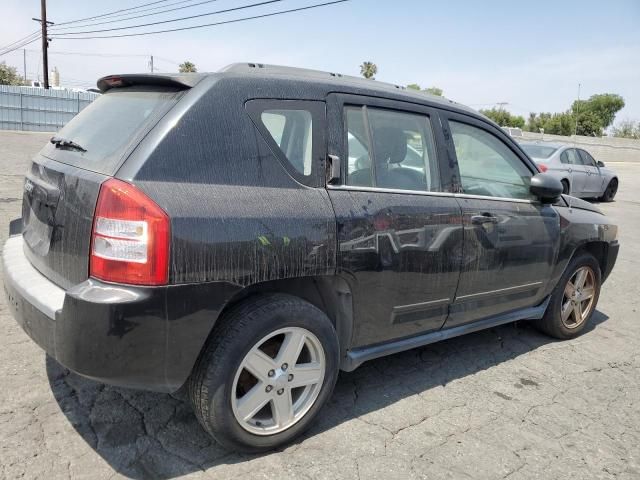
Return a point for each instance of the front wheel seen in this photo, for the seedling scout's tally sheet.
(574, 299)
(265, 373)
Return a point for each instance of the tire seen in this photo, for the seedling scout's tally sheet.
(552, 322)
(223, 374)
(610, 191)
(566, 189)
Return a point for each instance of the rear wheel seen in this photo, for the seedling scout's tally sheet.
(265, 373)
(610, 191)
(565, 187)
(574, 299)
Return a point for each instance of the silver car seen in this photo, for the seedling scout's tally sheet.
(579, 173)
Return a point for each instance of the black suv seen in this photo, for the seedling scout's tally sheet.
(245, 235)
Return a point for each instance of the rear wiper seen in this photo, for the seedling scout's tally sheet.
(64, 143)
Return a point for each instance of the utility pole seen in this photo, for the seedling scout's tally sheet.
(24, 65)
(575, 132)
(45, 40)
(151, 63)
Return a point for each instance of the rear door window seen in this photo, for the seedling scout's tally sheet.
(109, 127)
(570, 157)
(403, 150)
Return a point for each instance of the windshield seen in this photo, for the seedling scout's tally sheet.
(108, 127)
(539, 151)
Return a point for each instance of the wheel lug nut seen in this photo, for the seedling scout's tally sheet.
(284, 367)
(281, 391)
(269, 388)
(290, 377)
(271, 373)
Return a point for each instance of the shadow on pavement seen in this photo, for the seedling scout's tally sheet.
(152, 435)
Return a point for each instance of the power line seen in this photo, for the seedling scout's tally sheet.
(37, 32)
(89, 54)
(266, 2)
(265, 15)
(138, 16)
(18, 47)
(112, 13)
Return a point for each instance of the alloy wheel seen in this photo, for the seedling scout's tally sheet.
(278, 381)
(578, 299)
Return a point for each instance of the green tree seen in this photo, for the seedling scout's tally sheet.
(588, 124)
(368, 70)
(9, 75)
(553, 123)
(504, 118)
(604, 106)
(627, 129)
(434, 91)
(596, 113)
(187, 67)
(431, 90)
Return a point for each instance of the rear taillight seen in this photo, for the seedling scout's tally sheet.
(542, 167)
(130, 237)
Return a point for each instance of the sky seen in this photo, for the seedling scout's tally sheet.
(531, 55)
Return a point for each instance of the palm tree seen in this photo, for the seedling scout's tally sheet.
(368, 70)
(187, 67)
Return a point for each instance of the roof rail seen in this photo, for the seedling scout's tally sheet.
(302, 72)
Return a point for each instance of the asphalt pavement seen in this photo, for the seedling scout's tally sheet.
(504, 403)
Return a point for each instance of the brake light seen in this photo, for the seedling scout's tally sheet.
(130, 237)
(542, 167)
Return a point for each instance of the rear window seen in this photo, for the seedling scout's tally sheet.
(111, 126)
(295, 133)
(292, 130)
(539, 151)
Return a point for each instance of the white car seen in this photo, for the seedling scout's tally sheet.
(580, 174)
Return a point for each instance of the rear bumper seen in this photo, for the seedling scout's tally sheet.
(139, 337)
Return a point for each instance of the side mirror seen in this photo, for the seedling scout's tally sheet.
(546, 187)
(600, 164)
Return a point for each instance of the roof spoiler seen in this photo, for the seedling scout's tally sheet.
(180, 81)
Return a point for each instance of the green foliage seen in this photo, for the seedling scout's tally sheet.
(592, 115)
(627, 129)
(503, 118)
(187, 67)
(431, 90)
(589, 124)
(368, 70)
(553, 123)
(9, 75)
(434, 91)
(602, 106)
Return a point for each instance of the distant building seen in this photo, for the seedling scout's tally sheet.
(54, 77)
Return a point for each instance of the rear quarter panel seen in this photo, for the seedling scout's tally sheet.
(236, 214)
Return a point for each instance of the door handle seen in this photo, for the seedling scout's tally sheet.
(484, 218)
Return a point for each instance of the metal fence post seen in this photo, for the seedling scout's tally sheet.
(21, 114)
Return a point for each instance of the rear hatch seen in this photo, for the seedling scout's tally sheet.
(62, 185)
